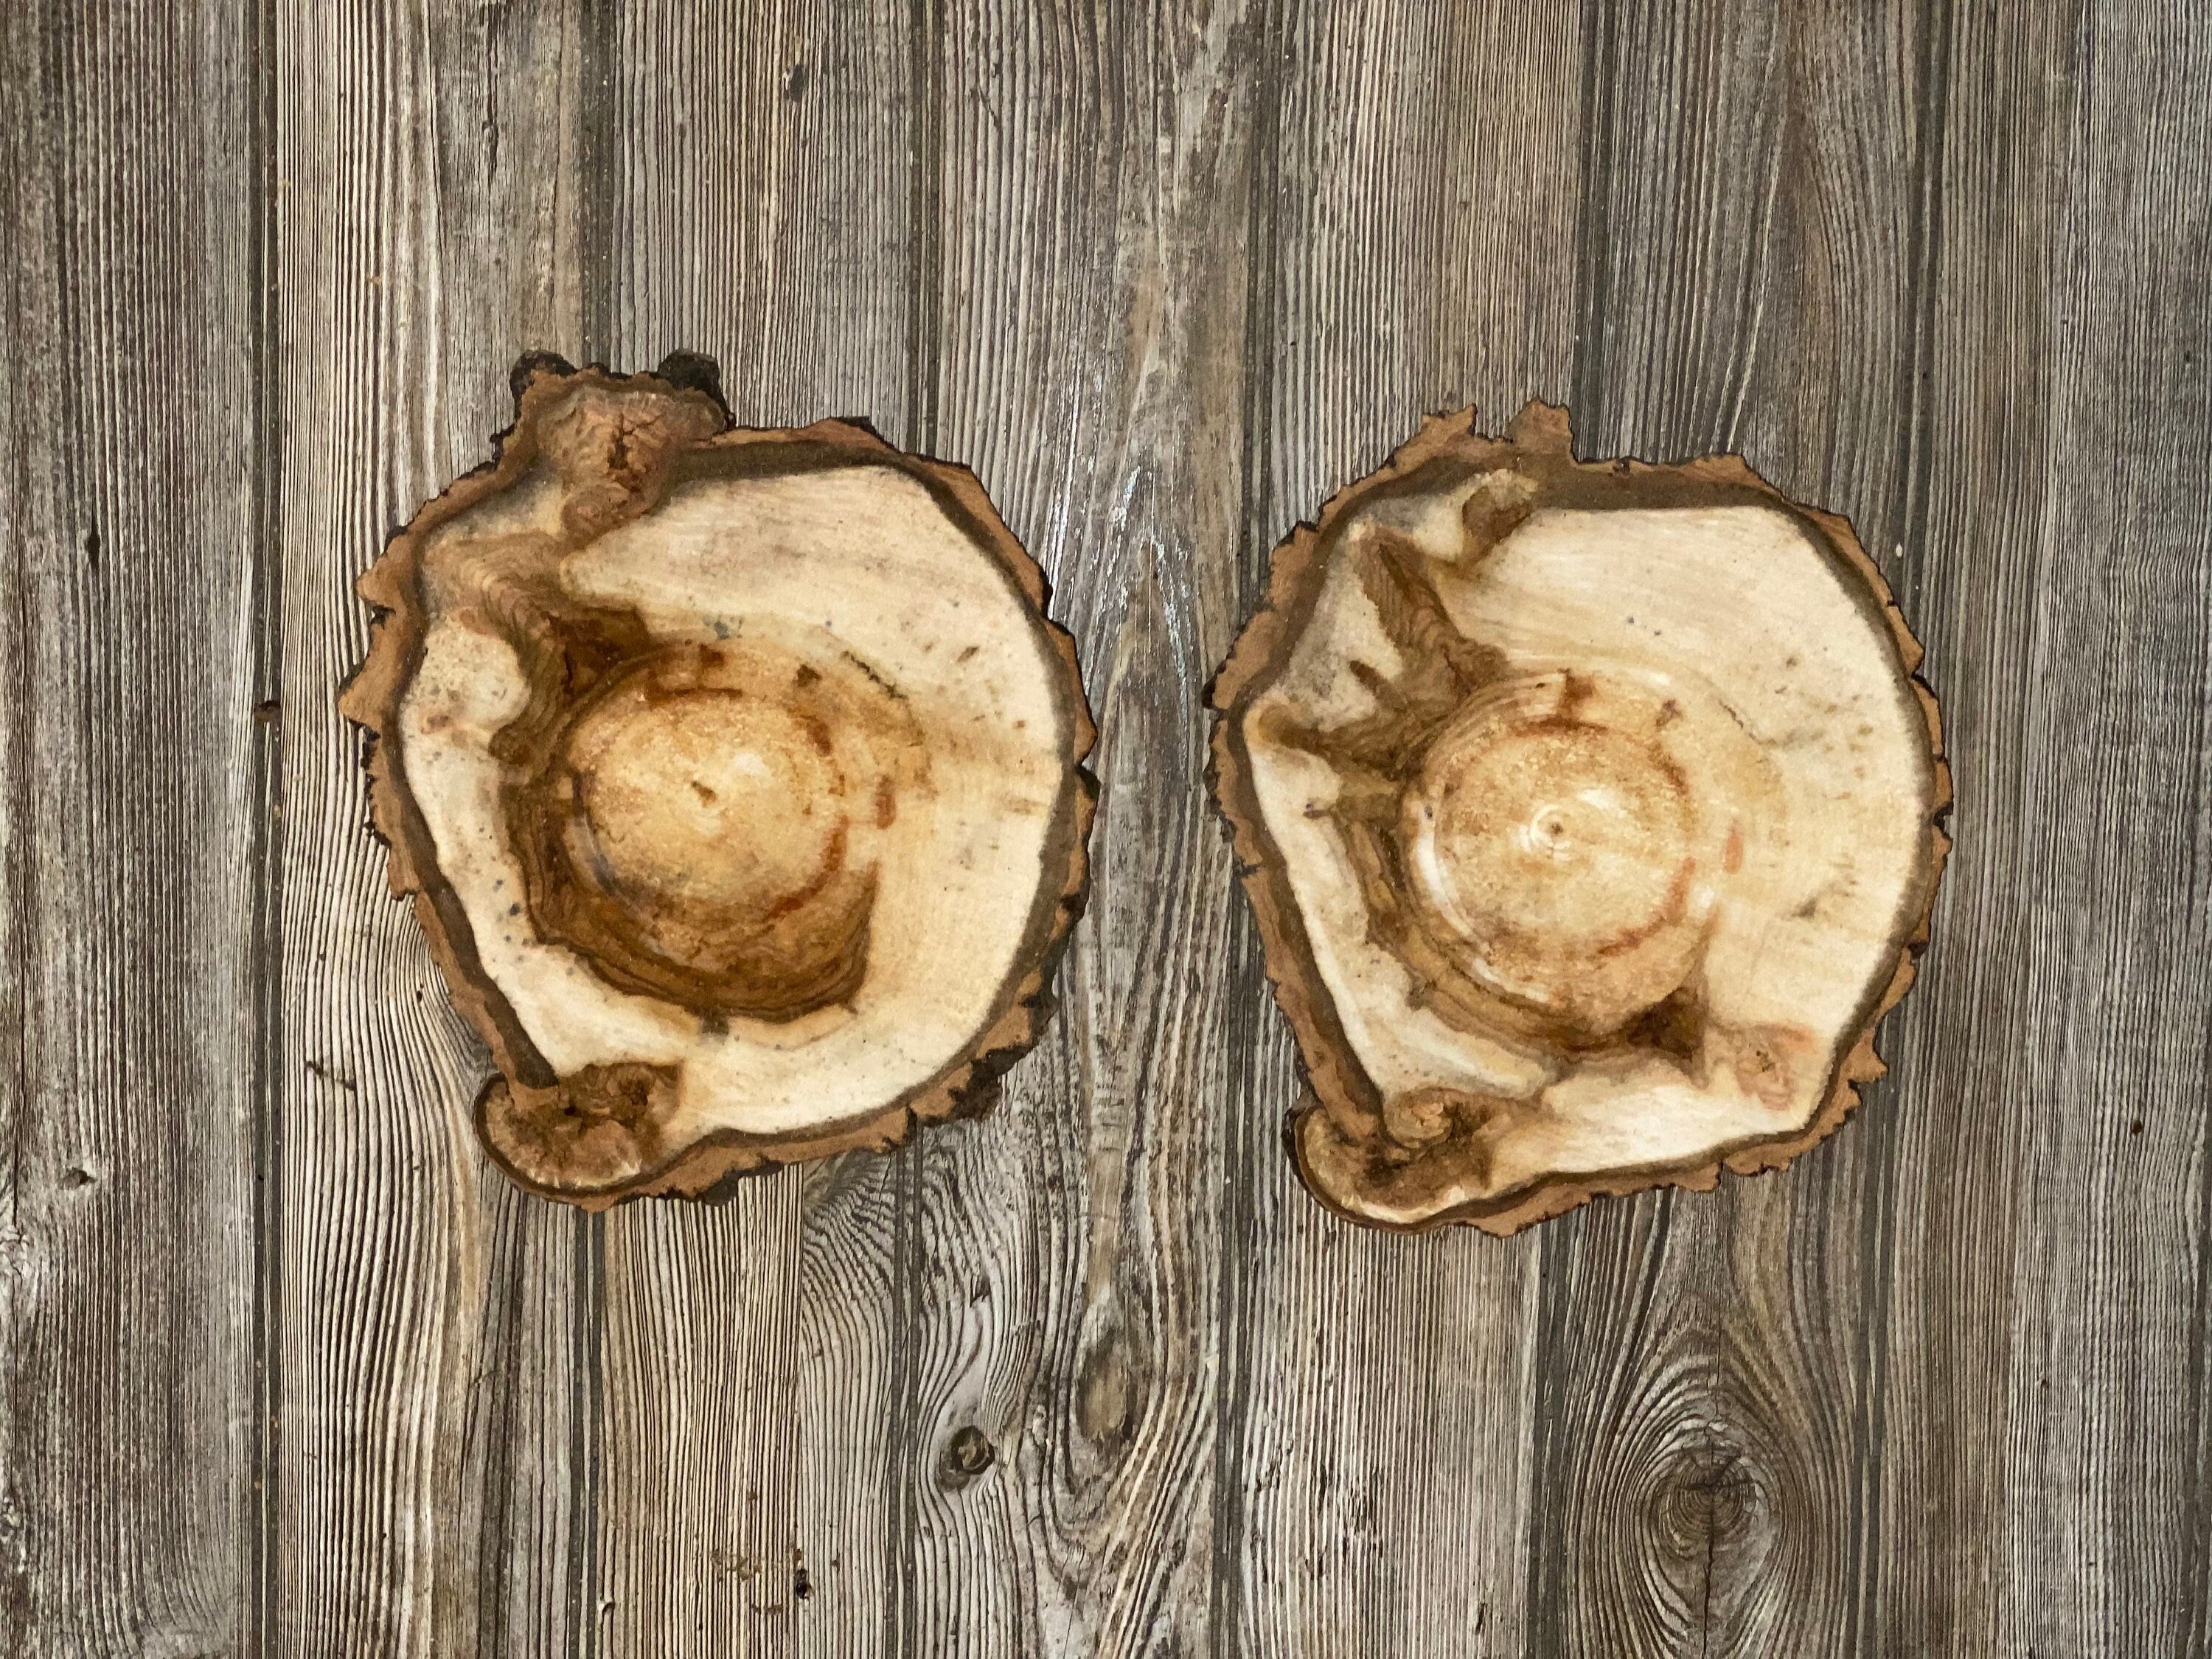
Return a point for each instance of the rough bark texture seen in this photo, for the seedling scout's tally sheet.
(621, 768)
(1563, 856)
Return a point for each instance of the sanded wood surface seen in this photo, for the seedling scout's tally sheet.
(290, 1370)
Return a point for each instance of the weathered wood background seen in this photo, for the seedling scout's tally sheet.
(287, 1370)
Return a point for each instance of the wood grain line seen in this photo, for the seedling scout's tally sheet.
(599, 144)
(908, 1459)
(1250, 1033)
(262, 1612)
(925, 220)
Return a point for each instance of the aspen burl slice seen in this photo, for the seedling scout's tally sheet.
(1592, 817)
(736, 778)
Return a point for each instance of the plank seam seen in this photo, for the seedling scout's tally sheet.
(1248, 1002)
(2197, 1532)
(1545, 1596)
(266, 859)
(906, 1460)
(599, 185)
(1591, 231)
(1877, 1254)
(22, 142)
(924, 347)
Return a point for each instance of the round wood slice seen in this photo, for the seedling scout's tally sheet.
(1592, 814)
(735, 775)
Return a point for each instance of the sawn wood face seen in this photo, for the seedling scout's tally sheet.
(701, 750)
(1593, 819)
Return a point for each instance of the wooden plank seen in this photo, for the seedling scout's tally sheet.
(1981, 448)
(1092, 177)
(1745, 284)
(130, 828)
(431, 1361)
(763, 207)
(2046, 1351)
(1424, 235)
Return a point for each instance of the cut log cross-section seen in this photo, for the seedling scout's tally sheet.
(1592, 815)
(736, 776)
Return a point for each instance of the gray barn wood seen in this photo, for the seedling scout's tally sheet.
(287, 1369)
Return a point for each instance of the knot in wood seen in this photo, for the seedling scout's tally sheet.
(967, 1455)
